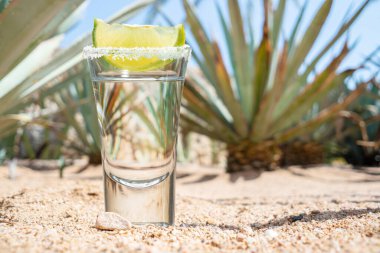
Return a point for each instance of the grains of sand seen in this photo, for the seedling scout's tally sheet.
(322, 210)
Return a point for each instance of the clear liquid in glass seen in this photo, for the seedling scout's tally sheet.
(139, 120)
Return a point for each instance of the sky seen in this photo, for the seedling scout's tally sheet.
(365, 31)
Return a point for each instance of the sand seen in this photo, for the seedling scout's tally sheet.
(321, 209)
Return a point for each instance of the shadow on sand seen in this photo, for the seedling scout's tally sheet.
(246, 175)
(371, 177)
(317, 216)
(233, 177)
(286, 220)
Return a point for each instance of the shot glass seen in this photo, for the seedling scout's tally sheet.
(138, 96)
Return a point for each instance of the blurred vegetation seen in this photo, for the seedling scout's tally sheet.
(261, 101)
(341, 139)
(358, 134)
(47, 106)
(39, 23)
(272, 96)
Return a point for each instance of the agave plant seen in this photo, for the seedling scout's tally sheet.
(349, 134)
(47, 19)
(330, 141)
(77, 110)
(62, 79)
(358, 135)
(265, 99)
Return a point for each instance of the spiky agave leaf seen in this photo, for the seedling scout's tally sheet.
(28, 25)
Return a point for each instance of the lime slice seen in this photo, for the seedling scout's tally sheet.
(128, 36)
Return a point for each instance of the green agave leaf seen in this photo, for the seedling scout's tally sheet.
(291, 94)
(71, 20)
(308, 39)
(201, 37)
(28, 25)
(240, 56)
(251, 57)
(64, 84)
(195, 126)
(196, 88)
(69, 114)
(277, 21)
(88, 112)
(325, 115)
(63, 100)
(295, 29)
(228, 39)
(271, 98)
(205, 71)
(203, 108)
(233, 106)
(303, 102)
(262, 64)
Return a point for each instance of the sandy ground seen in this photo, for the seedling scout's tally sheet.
(320, 209)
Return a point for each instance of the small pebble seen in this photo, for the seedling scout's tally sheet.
(111, 221)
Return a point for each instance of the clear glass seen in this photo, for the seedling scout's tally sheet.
(138, 113)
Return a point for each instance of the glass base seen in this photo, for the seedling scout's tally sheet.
(148, 203)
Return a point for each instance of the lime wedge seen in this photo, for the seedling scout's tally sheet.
(128, 36)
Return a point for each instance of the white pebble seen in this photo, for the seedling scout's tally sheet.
(111, 221)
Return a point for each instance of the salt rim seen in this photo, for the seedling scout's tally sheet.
(134, 53)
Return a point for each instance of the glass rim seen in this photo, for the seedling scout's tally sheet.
(133, 53)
